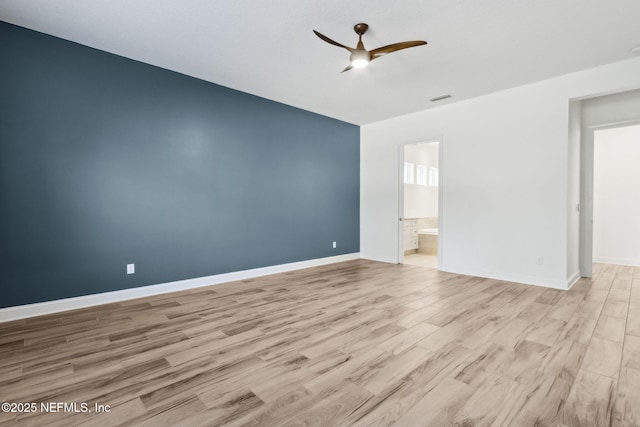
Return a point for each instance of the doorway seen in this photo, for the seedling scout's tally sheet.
(420, 222)
(589, 116)
(616, 205)
(610, 225)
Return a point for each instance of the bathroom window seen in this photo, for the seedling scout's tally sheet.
(433, 177)
(408, 173)
(421, 175)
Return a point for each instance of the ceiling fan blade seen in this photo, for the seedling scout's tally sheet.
(381, 51)
(333, 42)
(347, 69)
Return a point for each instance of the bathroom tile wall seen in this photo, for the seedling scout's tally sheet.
(428, 222)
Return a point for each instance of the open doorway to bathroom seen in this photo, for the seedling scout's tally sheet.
(419, 210)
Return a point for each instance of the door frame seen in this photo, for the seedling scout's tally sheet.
(587, 140)
(400, 177)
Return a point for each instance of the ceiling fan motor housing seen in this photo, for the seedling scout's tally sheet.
(360, 28)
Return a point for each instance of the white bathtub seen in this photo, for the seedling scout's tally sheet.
(428, 231)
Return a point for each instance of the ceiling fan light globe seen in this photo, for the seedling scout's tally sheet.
(360, 58)
(359, 63)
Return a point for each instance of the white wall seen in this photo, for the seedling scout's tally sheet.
(616, 196)
(421, 201)
(504, 177)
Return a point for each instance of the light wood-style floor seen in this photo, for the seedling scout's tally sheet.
(357, 343)
(430, 261)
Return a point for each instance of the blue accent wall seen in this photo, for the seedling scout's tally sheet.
(106, 161)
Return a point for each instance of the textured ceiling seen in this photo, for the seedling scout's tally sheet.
(267, 48)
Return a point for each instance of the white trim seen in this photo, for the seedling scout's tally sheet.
(400, 204)
(65, 304)
(526, 280)
(618, 261)
(441, 192)
(573, 279)
(585, 245)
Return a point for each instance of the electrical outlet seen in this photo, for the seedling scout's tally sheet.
(539, 260)
(131, 268)
(334, 245)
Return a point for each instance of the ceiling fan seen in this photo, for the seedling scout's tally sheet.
(360, 57)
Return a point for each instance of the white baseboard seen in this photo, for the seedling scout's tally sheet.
(66, 304)
(617, 261)
(573, 279)
(526, 280)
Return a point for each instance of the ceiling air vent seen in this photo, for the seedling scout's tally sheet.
(440, 98)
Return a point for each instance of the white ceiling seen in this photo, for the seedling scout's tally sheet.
(267, 48)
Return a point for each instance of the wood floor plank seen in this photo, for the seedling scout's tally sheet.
(269, 391)
(8, 418)
(603, 357)
(633, 325)
(480, 409)
(617, 309)
(439, 406)
(407, 338)
(394, 401)
(483, 363)
(546, 331)
(332, 405)
(590, 401)
(534, 312)
(549, 296)
(528, 295)
(418, 316)
(537, 403)
(392, 370)
(452, 332)
(610, 328)
(564, 360)
(589, 309)
(354, 366)
(596, 295)
(619, 294)
(631, 352)
(513, 332)
(294, 402)
(627, 407)
(481, 335)
(563, 312)
(579, 329)
(169, 414)
(522, 363)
